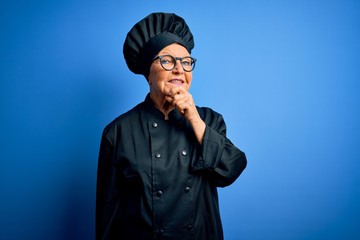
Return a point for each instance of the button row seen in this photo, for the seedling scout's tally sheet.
(160, 193)
(189, 227)
(161, 231)
(183, 152)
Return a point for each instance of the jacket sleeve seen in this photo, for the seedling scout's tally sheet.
(106, 190)
(221, 159)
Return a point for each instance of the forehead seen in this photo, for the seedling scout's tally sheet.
(176, 50)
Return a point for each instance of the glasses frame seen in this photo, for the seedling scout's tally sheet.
(176, 58)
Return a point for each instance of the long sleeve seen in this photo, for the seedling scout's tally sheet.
(223, 161)
(106, 204)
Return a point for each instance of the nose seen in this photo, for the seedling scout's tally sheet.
(178, 66)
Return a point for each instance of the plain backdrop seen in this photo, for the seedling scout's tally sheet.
(284, 74)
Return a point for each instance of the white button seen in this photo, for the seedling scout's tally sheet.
(183, 152)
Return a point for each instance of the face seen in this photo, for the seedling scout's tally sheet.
(161, 81)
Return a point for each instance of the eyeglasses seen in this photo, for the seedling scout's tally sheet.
(168, 62)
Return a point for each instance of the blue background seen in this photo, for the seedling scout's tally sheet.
(284, 74)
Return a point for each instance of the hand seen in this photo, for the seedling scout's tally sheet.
(182, 100)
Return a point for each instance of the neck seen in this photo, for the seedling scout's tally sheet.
(161, 104)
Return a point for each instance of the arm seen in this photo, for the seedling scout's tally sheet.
(222, 161)
(106, 206)
(219, 157)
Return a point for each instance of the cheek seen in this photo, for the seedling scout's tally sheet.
(153, 76)
(157, 80)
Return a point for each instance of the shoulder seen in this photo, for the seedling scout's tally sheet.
(208, 114)
(212, 119)
(123, 120)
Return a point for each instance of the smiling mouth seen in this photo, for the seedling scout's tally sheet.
(176, 81)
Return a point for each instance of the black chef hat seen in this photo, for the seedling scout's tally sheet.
(149, 36)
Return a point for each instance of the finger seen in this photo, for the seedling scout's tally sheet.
(184, 104)
(181, 101)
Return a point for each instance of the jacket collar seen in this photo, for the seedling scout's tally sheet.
(149, 106)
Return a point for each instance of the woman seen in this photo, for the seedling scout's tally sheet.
(161, 162)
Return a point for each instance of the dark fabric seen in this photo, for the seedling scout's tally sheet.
(150, 35)
(156, 182)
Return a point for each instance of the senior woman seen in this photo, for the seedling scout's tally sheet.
(161, 162)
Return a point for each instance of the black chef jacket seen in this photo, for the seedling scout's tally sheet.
(155, 181)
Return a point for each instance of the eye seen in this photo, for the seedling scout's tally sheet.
(187, 62)
(167, 60)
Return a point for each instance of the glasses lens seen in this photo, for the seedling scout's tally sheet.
(167, 62)
(188, 64)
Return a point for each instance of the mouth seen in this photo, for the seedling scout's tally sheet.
(177, 82)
